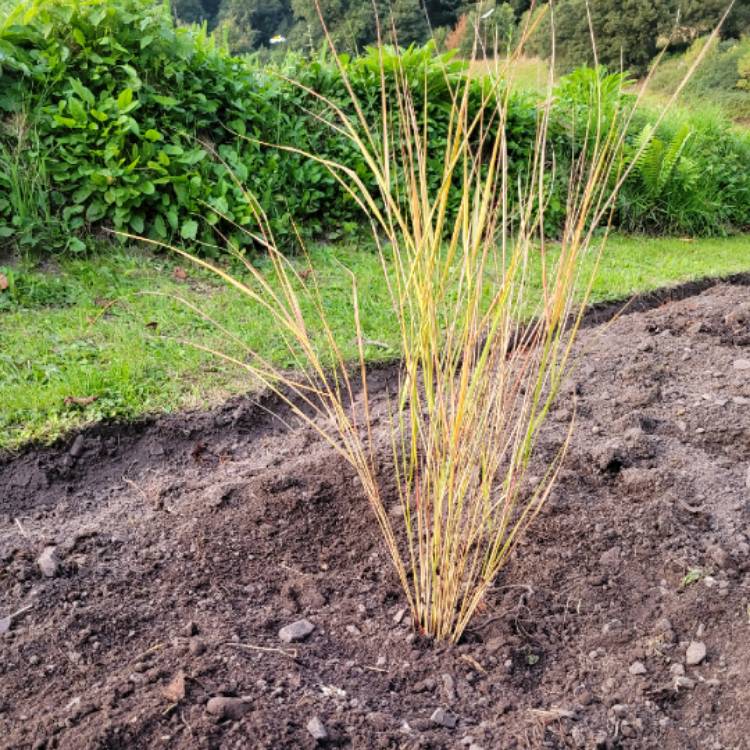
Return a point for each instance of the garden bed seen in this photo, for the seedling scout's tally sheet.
(185, 543)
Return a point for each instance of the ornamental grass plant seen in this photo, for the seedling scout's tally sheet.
(484, 347)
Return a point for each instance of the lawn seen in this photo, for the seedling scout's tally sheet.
(526, 73)
(105, 338)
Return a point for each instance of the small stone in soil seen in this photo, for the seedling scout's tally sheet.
(77, 448)
(637, 668)
(443, 718)
(449, 688)
(317, 729)
(696, 653)
(48, 562)
(297, 631)
(191, 629)
(741, 364)
(227, 708)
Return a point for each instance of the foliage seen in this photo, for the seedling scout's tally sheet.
(688, 175)
(488, 30)
(116, 118)
(25, 194)
(116, 97)
(699, 17)
(693, 178)
(628, 34)
(723, 79)
(587, 89)
(250, 24)
(625, 33)
(145, 127)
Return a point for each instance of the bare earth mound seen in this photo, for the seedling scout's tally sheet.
(183, 545)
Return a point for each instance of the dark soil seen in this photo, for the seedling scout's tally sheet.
(183, 544)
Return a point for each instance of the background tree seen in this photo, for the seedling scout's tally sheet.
(410, 22)
(626, 33)
(189, 11)
(699, 17)
(489, 29)
(250, 24)
(443, 12)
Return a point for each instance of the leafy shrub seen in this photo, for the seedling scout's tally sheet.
(139, 123)
(117, 96)
(691, 174)
(115, 118)
(693, 178)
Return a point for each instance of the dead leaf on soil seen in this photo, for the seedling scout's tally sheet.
(175, 691)
(180, 273)
(553, 714)
(3, 282)
(474, 663)
(79, 401)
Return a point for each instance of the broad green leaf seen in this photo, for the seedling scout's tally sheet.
(96, 211)
(125, 99)
(76, 245)
(82, 91)
(165, 101)
(136, 223)
(160, 227)
(189, 230)
(76, 109)
(98, 15)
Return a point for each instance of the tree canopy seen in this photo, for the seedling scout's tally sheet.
(628, 32)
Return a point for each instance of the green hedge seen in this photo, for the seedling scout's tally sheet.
(113, 117)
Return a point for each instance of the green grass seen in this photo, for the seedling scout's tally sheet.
(85, 328)
(528, 73)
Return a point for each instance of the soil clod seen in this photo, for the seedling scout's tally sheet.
(227, 708)
(48, 562)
